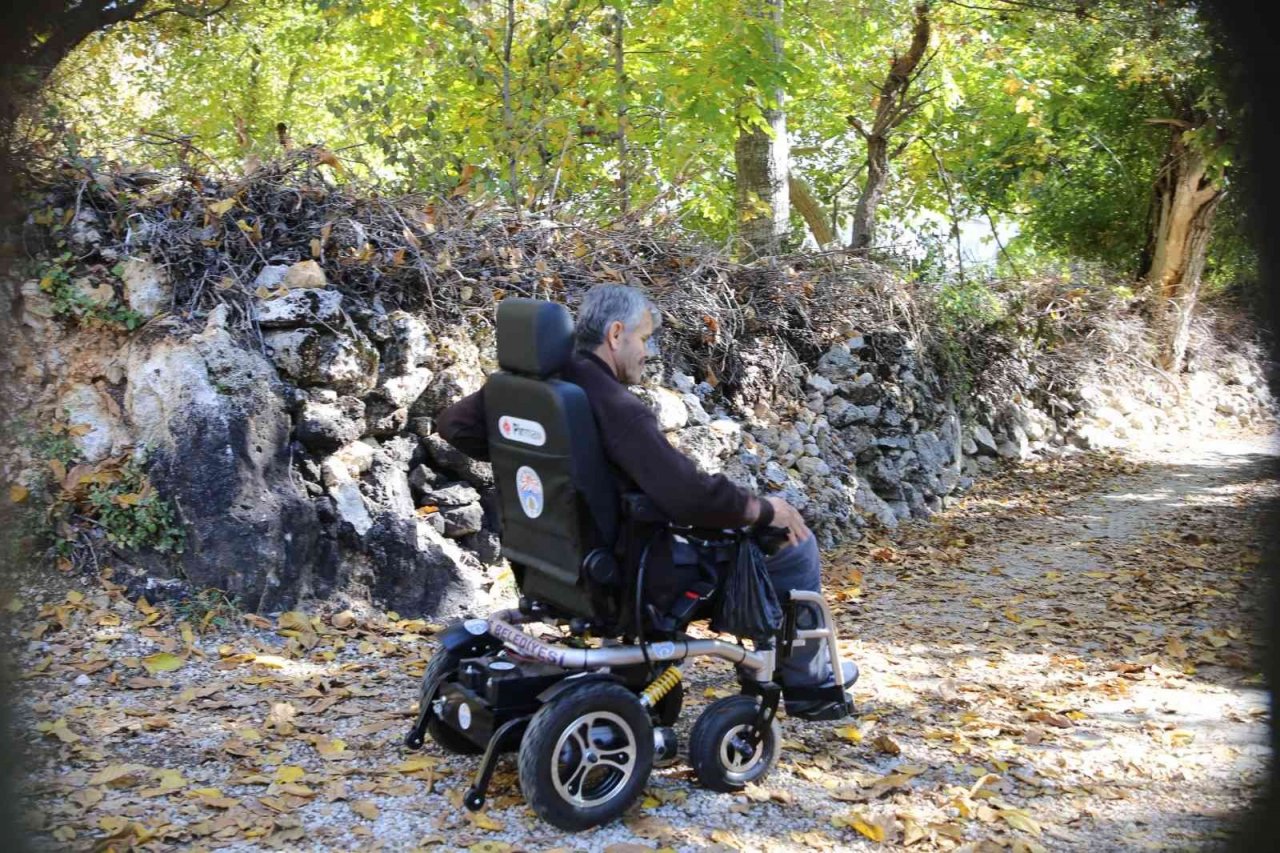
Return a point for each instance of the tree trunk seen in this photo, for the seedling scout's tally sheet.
(620, 80)
(864, 214)
(1186, 199)
(893, 105)
(762, 199)
(811, 209)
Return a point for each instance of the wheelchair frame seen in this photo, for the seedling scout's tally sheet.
(498, 720)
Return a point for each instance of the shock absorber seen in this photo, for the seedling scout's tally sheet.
(660, 687)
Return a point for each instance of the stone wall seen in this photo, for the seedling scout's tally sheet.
(302, 457)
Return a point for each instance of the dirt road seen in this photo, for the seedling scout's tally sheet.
(1065, 660)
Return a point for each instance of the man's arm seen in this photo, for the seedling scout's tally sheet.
(465, 426)
(674, 483)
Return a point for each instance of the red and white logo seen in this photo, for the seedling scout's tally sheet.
(523, 431)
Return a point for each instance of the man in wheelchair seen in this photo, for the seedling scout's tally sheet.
(615, 535)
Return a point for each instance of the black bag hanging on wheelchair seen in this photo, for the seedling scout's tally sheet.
(747, 604)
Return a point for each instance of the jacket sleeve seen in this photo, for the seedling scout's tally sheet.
(465, 426)
(673, 481)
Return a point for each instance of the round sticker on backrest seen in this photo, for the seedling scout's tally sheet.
(529, 491)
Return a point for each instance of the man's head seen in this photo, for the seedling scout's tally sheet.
(616, 323)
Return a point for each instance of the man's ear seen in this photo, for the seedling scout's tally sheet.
(614, 334)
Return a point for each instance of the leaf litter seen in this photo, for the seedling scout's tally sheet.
(1051, 663)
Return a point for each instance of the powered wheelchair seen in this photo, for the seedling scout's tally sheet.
(592, 710)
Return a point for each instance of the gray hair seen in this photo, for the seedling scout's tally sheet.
(606, 303)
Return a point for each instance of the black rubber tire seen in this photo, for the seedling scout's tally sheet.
(668, 708)
(538, 760)
(442, 666)
(718, 723)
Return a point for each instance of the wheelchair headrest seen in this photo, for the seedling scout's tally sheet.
(535, 337)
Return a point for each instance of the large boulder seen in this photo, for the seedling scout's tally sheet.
(416, 570)
(211, 417)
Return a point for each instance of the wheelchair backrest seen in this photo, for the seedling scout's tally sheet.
(556, 495)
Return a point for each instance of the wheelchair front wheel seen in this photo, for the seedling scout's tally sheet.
(721, 758)
(586, 756)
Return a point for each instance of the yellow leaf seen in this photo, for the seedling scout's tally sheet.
(490, 847)
(218, 208)
(849, 733)
(286, 773)
(1011, 85)
(59, 470)
(335, 748)
(119, 775)
(162, 662)
(856, 821)
(886, 744)
(18, 493)
(170, 779)
(1019, 819)
(366, 809)
(129, 499)
(480, 820)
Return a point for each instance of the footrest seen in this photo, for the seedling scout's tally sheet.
(818, 703)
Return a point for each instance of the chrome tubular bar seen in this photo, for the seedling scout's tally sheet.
(502, 625)
(826, 631)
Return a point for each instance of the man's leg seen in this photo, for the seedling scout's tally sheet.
(797, 567)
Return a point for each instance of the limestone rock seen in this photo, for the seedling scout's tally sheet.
(462, 521)
(298, 308)
(668, 406)
(325, 426)
(451, 495)
(417, 571)
(344, 363)
(304, 274)
(212, 417)
(92, 407)
(147, 287)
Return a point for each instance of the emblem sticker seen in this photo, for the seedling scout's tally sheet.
(476, 627)
(529, 490)
(521, 430)
(662, 651)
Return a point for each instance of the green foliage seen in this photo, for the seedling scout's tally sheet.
(133, 514)
(73, 301)
(1028, 114)
(209, 608)
(114, 496)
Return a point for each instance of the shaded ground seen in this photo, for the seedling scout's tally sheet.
(1065, 660)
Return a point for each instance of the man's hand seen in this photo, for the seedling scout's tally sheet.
(785, 515)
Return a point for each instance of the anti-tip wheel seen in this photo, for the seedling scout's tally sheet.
(719, 753)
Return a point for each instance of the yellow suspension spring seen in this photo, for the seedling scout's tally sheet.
(660, 687)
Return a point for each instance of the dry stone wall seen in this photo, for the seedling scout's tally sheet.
(303, 460)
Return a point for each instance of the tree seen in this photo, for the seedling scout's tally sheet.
(760, 150)
(894, 103)
(36, 36)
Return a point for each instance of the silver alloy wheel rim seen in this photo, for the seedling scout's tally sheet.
(594, 758)
(738, 768)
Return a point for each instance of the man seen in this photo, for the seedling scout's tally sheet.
(613, 336)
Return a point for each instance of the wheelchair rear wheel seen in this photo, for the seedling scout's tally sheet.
(442, 666)
(721, 758)
(586, 756)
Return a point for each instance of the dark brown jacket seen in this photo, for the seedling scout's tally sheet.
(641, 456)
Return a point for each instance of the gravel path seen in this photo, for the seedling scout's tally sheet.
(1065, 660)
